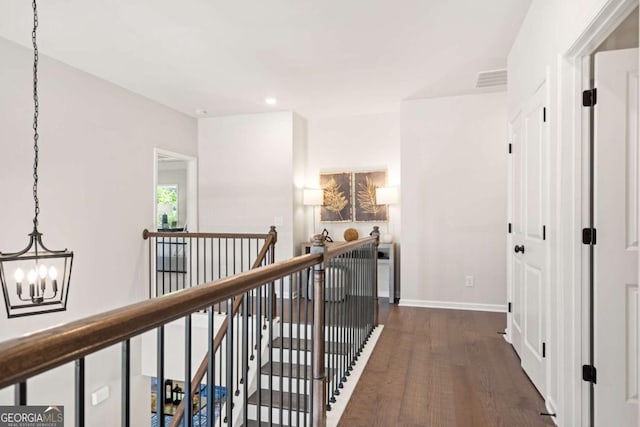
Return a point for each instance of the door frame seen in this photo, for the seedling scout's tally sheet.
(192, 186)
(573, 267)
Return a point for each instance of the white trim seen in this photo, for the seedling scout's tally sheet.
(450, 305)
(572, 313)
(337, 409)
(603, 24)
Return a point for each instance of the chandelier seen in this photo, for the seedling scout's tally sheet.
(35, 280)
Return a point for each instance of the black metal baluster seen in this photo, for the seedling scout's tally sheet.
(337, 300)
(226, 386)
(219, 268)
(197, 263)
(126, 383)
(170, 265)
(188, 398)
(79, 392)
(230, 362)
(307, 325)
(190, 262)
(282, 341)
(151, 264)
(313, 344)
(291, 348)
(329, 283)
(352, 315)
(245, 359)
(300, 365)
(160, 375)
(211, 369)
(164, 290)
(270, 298)
(20, 394)
(259, 351)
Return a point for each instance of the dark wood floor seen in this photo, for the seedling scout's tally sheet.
(441, 368)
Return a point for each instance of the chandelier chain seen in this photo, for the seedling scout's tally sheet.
(35, 115)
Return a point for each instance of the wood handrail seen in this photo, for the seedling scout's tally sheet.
(217, 341)
(146, 234)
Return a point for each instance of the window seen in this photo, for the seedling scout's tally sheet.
(167, 206)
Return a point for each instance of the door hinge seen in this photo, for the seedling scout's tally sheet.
(510, 148)
(509, 307)
(589, 236)
(589, 97)
(589, 373)
(544, 232)
(510, 228)
(544, 350)
(544, 114)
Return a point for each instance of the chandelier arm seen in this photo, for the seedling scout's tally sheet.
(38, 237)
(5, 256)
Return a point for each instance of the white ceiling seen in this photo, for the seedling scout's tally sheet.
(318, 57)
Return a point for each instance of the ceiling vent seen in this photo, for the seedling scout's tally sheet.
(492, 78)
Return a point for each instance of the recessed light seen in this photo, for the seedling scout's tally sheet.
(201, 111)
(270, 101)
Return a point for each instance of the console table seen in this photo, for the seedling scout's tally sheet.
(386, 266)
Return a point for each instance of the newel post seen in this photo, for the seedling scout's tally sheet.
(375, 233)
(319, 415)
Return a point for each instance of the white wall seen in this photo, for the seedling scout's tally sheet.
(246, 169)
(96, 195)
(454, 165)
(353, 143)
(300, 147)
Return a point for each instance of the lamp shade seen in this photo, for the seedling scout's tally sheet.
(313, 197)
(386, 196)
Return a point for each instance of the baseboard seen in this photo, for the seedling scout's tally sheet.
(497, 308)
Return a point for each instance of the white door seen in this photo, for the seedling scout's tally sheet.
(529, 251)
(615, 252)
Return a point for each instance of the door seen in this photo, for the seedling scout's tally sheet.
(529, 251)
(615, 252)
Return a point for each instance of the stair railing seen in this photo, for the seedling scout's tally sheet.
(264, 257)
(331, 295)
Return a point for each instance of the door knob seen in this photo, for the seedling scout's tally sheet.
(519, 249)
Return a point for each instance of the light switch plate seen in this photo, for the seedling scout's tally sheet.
(100, 395)
(468, 281)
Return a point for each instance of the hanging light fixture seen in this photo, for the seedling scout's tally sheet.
(47, 272)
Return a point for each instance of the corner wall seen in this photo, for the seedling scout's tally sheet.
(247, 175)
(96, 194)
(454, 167)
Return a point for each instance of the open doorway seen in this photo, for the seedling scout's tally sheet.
(175, 192)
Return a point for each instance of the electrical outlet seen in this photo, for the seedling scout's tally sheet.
(468, 281)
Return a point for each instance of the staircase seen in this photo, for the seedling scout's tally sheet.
(286, 371)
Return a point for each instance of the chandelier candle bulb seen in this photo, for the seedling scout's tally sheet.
(53, 275)
(19, 276)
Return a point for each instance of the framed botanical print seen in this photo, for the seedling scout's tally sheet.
(366, 208)
(337, 197)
